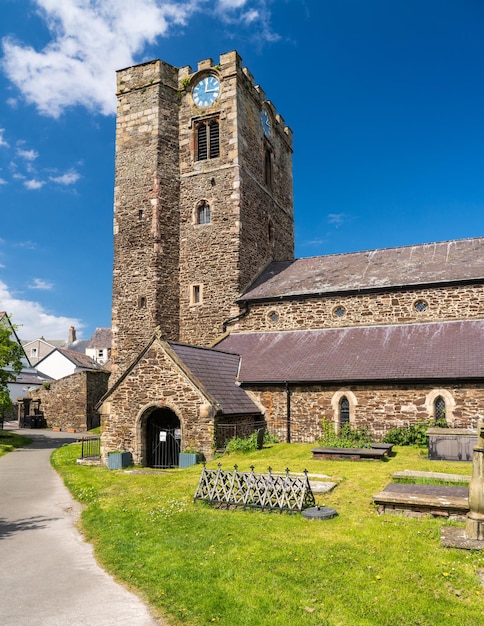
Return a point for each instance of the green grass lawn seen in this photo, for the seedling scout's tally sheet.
(197, 565)
(9, 441)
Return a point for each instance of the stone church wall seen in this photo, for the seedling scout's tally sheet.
(69, 403)
(443, 304)
(379, 407)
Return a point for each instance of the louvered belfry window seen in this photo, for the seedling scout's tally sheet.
(208, 140)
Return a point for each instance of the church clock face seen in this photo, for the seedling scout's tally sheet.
(266, 122)
(206, 91)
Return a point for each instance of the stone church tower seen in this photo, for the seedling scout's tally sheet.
(203, 199)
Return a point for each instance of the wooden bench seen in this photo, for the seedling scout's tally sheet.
(352, 454)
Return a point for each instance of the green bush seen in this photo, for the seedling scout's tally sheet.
(248, 444)
(413, 435)
(347, 437)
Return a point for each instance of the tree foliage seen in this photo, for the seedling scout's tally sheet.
(11, 353)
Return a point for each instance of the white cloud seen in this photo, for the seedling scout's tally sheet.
(33, 319)
(251, 16)
(26, 245)
(39, 283)
(91, 39)
(3, 181)
(34, 184)
(28, 155)
(336, 218)
(2, 140)
(318, 241)
(69, 178)
(231, 4)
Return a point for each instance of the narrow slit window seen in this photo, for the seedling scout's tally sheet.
(268, 169)
(196, 294)
(270, 232)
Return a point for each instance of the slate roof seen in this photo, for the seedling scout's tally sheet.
(32, 377)
(443, 262)
(441, 350)
(217, 371)
(81, 361)
(101, 338)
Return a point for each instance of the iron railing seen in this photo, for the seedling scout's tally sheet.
(90, 447)
(241, 430)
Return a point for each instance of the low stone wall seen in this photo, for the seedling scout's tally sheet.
(69, 403)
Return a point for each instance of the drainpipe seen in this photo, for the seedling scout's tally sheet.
(236, 317)
(288, 413)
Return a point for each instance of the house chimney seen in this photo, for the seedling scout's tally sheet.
(72, 335)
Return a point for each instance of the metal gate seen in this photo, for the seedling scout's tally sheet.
(163, 446)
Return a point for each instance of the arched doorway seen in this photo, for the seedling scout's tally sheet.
(162, 438)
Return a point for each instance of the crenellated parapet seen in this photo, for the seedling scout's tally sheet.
(230, 66)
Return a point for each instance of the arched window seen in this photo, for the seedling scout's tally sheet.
(344, 411)
(439, 410)
(203, 213)
(440, 406)
(208, 140)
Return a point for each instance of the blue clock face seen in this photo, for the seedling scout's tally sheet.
(266, 122)
(206, 91)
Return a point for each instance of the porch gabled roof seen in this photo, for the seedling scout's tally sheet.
(217, 371)
(213, 372)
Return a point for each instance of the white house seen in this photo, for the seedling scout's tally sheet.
(61, 362)
(99, 347)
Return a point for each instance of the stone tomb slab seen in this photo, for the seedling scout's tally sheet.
(351, 454)
(438, 500)
(453, 537)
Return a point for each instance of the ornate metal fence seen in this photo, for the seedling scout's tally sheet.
(247, 489)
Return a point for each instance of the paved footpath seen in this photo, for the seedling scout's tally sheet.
(48, 575)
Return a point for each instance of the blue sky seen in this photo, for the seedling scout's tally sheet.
(385, 99)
